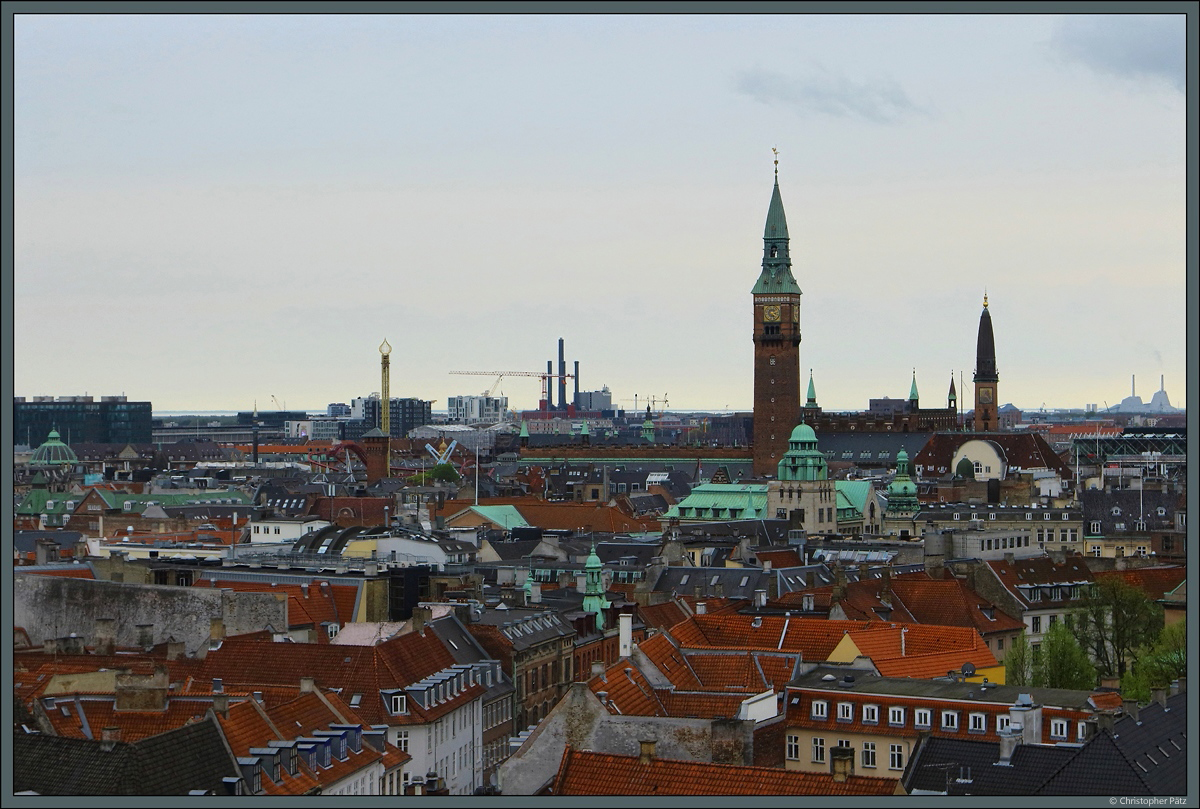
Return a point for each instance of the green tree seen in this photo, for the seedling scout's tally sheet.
(1158, 664)
(1062, 663)
(1018, 663)
(1113, 622)
(444, 472)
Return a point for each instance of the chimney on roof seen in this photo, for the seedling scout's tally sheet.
(1110, 683)
(1105, 720)
(701, 608)
(602, 696)
(885, 585)
(216, 631)
(841, 763)
(1159, 695)
(308, 685)
(220, 704)
(535, 593)
(766, 565)
(112, 733)
(1130, 706)
(1009, 559)
(760, 599)
(719, 590)
(625, 641)
(597, 668)
(645, 751)
(1010, 740)
(44, 555)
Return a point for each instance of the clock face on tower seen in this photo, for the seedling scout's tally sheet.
(985, 395)
(770, 314)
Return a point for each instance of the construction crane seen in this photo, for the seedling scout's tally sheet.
(277, 404)
(545, 377)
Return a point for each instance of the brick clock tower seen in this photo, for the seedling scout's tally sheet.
(776, 343)
(986, 378)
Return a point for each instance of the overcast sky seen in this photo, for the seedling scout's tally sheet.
(213, 210)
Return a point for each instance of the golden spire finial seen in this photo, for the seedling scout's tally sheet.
(776, 153)
(985, 297)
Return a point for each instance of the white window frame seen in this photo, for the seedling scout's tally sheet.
(398, 703)
(1002, 722)
(923, 718)
(818, 749)
(820, 709)
(870, 714)
(896, 757)
(868, 754)
(896, 716)
(1059, 728)
(845, 712)
(793, 748)
(950, 720)
(977, 723)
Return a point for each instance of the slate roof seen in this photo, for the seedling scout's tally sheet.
(736, 582)
(583, 772)
(173, 763)
(1125, 507)
(1156, 743)
(969, 767)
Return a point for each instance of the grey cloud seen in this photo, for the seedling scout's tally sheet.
(823, 91)
(1128, 46)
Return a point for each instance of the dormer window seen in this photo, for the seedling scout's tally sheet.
(1116, 511)
(397, 702)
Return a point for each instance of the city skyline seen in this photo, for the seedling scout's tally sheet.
(262, 199)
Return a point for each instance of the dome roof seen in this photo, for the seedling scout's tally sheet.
(53, 453)
(803, 433)
(965, 469)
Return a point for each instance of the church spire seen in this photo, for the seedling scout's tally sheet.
(812, 391)
(912, 392)
(776, 276)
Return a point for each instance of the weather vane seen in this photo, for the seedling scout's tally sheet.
(776, 153)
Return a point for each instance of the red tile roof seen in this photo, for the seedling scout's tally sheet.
(923, 650)
(583, 772)
(1018, 575)
(313, 605)
(786, 558)
(100, 712)
(242, 661)
(1155, 582)
(662, 616)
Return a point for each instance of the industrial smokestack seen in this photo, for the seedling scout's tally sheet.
(549, 384)
(576, 383)
(562, 376)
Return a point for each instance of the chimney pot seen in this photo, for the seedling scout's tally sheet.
(646, 751)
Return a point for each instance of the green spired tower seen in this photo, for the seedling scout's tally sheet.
(803, 461)
(776, 335)
(902, 492)
(593, 594)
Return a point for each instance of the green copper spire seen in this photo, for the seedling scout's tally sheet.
(803, 461)
(812, 391)
(776, 276)
(912, 392)
(524, 429)
(648, 427)
(902, 492)
(593, 594)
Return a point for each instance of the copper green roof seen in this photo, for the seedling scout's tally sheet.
(524, 429)
(53, 452)
(812, 392)
(508, 516)
(776, 227)
(912, 392)
(776, 276)
(856, 493)
(722, 501)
